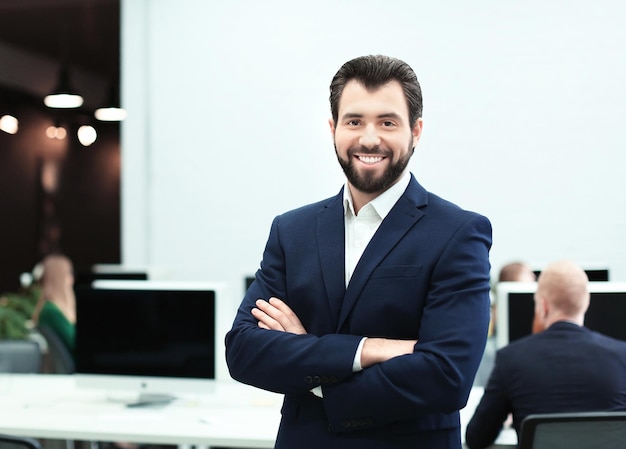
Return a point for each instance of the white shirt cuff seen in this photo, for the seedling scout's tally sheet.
(317, 391)
(356, 365)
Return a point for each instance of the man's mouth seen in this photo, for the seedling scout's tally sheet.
(370, 160)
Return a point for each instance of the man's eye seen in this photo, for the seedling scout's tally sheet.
(388, 123)
(353, 122)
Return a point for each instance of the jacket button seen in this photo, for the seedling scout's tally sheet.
(316, 379)
(308, 380)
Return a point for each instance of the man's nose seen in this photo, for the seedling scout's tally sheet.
(370, 137)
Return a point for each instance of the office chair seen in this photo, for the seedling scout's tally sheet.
(20, 356)
(60, 358)
(580, 430)
(15, 442)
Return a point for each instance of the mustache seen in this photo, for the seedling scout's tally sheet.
(370, 151)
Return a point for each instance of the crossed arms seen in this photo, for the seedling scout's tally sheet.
(440, 295)
(276, 315)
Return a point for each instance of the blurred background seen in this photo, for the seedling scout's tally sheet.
(227, 125)
(58, 190)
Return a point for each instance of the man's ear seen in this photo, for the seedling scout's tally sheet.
(417, 130)
(331, 123)
(544, 308)
(539, 315)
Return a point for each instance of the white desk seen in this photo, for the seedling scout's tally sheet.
(234, 415)
(50, 406)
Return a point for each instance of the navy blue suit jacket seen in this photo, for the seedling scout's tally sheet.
(566, 368)
(424, 275)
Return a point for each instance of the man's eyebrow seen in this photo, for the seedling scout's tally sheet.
(351, 115)
(393, 115)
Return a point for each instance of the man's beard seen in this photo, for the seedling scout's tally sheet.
(368, 182)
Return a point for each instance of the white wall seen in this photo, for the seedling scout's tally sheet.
(523, 109)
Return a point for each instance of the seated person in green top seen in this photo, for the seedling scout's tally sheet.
(56, 308)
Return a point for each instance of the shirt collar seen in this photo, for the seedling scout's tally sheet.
(384, 202)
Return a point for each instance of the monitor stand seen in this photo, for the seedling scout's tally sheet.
(151, 400)
(141, 399)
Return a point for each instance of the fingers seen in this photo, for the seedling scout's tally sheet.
(277, 315)
(262, 324)
(265, 321)
(286, 317)
(282, 312)
(272, 314)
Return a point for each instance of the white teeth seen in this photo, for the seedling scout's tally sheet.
(370, 159)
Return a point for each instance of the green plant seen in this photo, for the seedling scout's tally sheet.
(16, 309)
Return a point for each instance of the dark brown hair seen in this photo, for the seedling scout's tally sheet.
(374, 71)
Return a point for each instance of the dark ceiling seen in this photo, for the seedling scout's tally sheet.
(82, 33)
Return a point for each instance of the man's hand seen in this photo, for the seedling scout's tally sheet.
(276, 315)
(377, 350)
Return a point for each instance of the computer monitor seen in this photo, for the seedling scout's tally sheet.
(515, 307)
(151, 339)
(248, 281)
(593, 274)
(85, 276)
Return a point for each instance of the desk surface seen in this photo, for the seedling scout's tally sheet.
(233, 415)
(51, 406)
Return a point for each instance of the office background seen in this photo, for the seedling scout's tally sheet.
(227, 127)
(81, 196)
(523, 112)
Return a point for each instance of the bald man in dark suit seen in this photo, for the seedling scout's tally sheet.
(563, 367)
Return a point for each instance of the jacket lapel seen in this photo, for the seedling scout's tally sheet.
(331, 244)
(398, 222)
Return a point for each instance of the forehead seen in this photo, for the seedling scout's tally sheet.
(386, 99)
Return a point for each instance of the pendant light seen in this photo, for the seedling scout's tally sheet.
(86, 134)
(111, 111)
(63, 96)
(9, 124)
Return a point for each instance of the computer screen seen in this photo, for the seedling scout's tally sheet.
(593, 274)
(146, 336)
(85, 276)
(515, 307)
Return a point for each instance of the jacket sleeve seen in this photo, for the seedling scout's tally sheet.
(280, 361)
(490, 414)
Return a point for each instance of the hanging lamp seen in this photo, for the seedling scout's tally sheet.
(111, 111)
(63, 96)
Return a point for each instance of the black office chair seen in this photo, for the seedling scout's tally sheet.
(15, 442)
(581, 430)
(20, 356)
(59, 357)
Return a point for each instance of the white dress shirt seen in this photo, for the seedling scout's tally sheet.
(359, 230)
